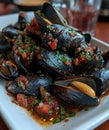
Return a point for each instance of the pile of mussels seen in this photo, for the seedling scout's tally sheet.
(49, 64)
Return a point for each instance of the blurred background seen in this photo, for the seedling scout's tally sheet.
(13, 6)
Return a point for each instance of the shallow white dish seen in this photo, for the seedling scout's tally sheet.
(17, 118)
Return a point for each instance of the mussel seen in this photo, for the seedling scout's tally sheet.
(106, 59)
(23, 19)
(58, 37)
(55, 63)
(29, 85)
(11, 32)
(87, 60)
(8, 70)
(103, 75)
(4, 43)
(78, 91)
(24, 49)
(50, 12)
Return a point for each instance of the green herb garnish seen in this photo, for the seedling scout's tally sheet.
(57, 120)
(20, 84)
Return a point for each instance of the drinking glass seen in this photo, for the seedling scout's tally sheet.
(81, 14)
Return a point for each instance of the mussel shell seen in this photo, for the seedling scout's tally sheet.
(4, 43)
(90, 65)
(22, 21)
(9, 70)
(53, 15)
(87, 37)
(68, 39)
(10, 31)
(106, 56)
(106, 60)
(34, 83)
(76, 97)
(103, 75)
(52, 63)
(25, 63)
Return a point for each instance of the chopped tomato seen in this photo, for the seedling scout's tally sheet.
(67, 62)
(35, 24)
(83, 59)
(76, 61)
(43, 108)
(22, 82)
(22, 100)
(54, 44)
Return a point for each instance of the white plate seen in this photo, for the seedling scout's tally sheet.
(17, 118)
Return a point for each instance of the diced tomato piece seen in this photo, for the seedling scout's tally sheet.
(35, 23)
(43, 108)
(22, 100)
(67, 62)
(54, 44)
(76, 61)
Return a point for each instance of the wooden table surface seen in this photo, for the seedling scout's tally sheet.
(102, 32)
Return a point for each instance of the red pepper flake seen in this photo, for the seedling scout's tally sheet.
(54, 44)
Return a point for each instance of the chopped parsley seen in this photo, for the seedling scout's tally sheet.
(20, 84)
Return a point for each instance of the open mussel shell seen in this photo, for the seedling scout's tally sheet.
(9, 70)
(78, 97)
(29, 85)
(53, 15)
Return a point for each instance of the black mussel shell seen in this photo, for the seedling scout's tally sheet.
(10, 32)
(25, 63)
(51, 13)
(68, 40)
(4, 43)
(22, 21)
(103, 75)
(75, 97)
(55, 64)
(106, 56)
(88, 66)
(9, 70)
(32, 87)
(87, 37)
(106, 59)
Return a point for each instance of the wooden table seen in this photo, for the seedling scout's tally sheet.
(102, 32)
